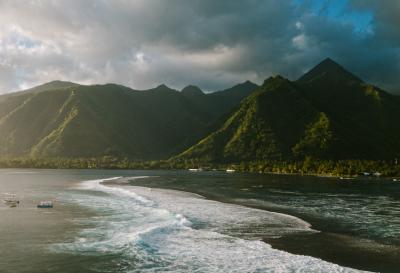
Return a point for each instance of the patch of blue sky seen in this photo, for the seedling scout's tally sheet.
(21, 41)
(25, 42)
(342, 12)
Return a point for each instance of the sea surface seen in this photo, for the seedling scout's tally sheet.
(181, 221)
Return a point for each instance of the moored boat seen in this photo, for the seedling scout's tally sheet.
(196, 170)
(45, 205)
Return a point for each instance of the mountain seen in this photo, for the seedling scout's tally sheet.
(364, 116)
(61, 119)
(266, 126)
(219, 102)
(229, 98)
(52, 86)
(192, 91)
(328, 71)
(328, 113)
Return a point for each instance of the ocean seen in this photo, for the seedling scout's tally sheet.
(179, 221)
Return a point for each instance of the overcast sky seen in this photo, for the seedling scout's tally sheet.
(209, 43)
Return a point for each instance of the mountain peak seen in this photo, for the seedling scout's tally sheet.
(274, 79)
(52, 85)
(248, 83)
(55, 85)
(192, 90)
(331, 71)
(329, 61)
(328, 65)
(163, 87)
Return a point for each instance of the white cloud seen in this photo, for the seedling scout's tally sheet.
(300, 42)
(142, 43)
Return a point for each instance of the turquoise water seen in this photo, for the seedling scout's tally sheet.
(166, 221)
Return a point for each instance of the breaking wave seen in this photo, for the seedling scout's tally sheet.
(157, 230)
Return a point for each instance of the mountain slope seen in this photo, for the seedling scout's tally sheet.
(219, 102)
(87, 121)
(364, 115)
(229, 98)
(52, 86)
(328, 113)
(329, 71)
(266, 126)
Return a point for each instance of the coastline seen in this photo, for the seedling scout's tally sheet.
(342, 249)
(161, 193)
(342, 169)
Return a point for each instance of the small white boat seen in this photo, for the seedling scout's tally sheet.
(195, 170)
(230, 170)
(45, 205)
(346, 178)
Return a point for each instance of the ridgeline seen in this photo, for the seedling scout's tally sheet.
(327, 122)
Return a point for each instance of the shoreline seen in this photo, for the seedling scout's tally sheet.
(311, 174)
(341, 249)
(268, 241)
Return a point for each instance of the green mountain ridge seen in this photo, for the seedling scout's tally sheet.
(254, 131)
(328, 113)
(192, 91)
(62, 119)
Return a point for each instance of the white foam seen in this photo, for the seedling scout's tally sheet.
(125, 180)
(230, 219)
(98, 186)
(92, 184)
(156, 230)
(22, 172)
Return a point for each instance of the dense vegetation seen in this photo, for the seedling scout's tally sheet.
(93, 121)
(329, 122)
(306, 166)
(328, 114)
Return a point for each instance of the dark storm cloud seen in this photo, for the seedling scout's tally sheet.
(384, 68)
(387, 19)
(213, 44)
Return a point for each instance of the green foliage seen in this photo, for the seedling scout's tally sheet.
(328, 114)
(317, 139)
(328, 122)
(308, 166)
(266, 126)
(61, 119)
(363, 118)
